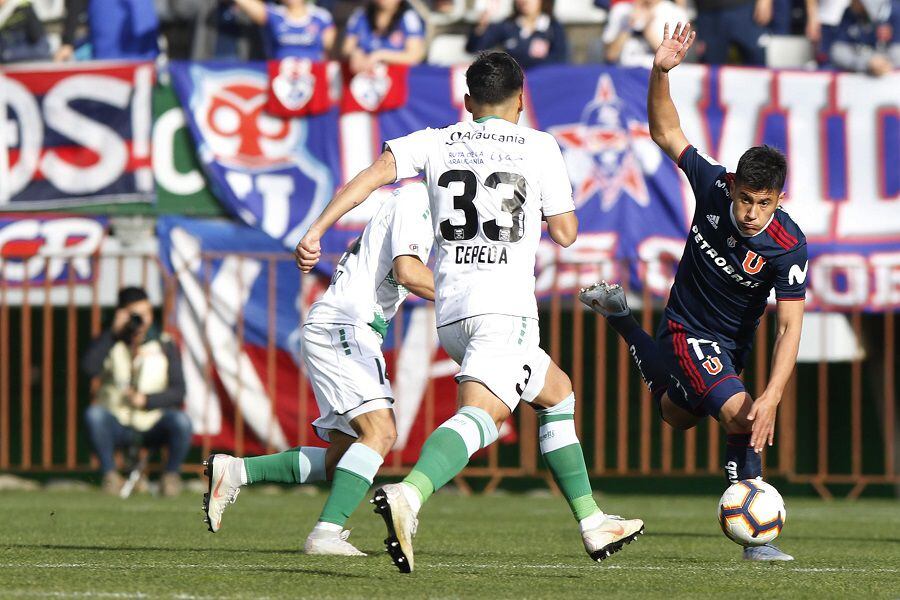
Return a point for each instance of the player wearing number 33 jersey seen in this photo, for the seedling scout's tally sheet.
(490, 183)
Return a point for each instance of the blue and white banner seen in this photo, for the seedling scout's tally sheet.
(841, 134)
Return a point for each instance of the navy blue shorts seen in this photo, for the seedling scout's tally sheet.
(704, 375)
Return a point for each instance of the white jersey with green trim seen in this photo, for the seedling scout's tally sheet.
(489, 183)
(363, 290)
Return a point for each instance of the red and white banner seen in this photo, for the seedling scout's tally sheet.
(75, 134)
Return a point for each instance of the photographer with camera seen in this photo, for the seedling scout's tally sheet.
(137, 403)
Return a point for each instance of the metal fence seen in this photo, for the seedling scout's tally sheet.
(837, 423)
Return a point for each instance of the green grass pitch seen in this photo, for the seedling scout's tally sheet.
(82, 544)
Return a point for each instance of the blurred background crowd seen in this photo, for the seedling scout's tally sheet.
(852, 35)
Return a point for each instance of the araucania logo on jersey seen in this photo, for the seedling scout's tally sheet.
(473, 136)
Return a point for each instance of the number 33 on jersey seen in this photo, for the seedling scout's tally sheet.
(489, 183)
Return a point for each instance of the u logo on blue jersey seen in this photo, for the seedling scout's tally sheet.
(753, 262)
(712, 365)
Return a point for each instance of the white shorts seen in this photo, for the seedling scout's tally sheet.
(348, 374)
(501, 352)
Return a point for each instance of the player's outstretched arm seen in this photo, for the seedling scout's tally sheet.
(784, 358)
(381, 172)
(414, 276)
(665, 126)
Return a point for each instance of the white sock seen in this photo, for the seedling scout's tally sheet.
(412, 496)
(238, 465)
(323, 526)
(592, 521)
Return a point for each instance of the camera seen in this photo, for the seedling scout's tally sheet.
(131, 327)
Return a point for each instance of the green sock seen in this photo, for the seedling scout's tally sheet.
(297, 465)
(447, 450)
(562, 453)
(352, 477)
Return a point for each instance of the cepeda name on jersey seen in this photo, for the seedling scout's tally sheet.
(473, 136)
(721, 261)
(481, 255)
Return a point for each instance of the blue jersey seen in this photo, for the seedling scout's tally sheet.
(410, 25)
(302, 38)
(724, 277)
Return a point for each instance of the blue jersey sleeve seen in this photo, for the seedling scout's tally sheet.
(412, 24)
(790, 274)
(701, 170)
(356, 24)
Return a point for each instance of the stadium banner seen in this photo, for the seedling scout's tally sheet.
(840, 131)
(180, 182)
(226, 333)
(75, 134)
(36, 249)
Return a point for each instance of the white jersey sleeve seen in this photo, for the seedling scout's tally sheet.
(411, 231)
(411, 152)
(555, 187)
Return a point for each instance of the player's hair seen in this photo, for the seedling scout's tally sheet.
(762, 168)
(130, 295)
(494, 78)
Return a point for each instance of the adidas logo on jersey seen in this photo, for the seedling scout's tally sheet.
(714, 220)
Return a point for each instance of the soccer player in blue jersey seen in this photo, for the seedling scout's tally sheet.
(741, 245)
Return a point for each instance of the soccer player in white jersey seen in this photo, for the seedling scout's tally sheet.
(341, 350)
(490, 182)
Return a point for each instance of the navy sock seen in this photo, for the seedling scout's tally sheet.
(741, 461)
(645, 353)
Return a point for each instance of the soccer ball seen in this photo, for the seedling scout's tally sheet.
(752, 513)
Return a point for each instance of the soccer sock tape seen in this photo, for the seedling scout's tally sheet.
(562, 453)
(448, 449)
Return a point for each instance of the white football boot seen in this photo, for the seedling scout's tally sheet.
(224, 476)
(400, 518)
(330, 543)
(605, 299)
(610, 536)
(766, 552)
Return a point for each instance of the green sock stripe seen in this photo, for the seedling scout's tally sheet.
(420, 481)
(544, 419)
(584, 507)
(478, 425)
(488, 427)
(347, 491)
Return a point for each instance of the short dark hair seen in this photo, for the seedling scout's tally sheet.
(130, 295)
(762, 168)
(494, 78)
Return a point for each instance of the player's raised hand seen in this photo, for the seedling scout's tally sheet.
(308, 252)
(762, 414)
(673, 48)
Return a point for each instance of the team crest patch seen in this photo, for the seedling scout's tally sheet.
(731, 241)
(294, 84)
(370, 88)
(713, 220)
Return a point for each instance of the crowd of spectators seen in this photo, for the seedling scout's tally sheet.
(854, 35)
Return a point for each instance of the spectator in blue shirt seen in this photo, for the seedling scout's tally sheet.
(123, 29)
(531, 35)
(868, 37)
(297, 28)
(384, 31)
